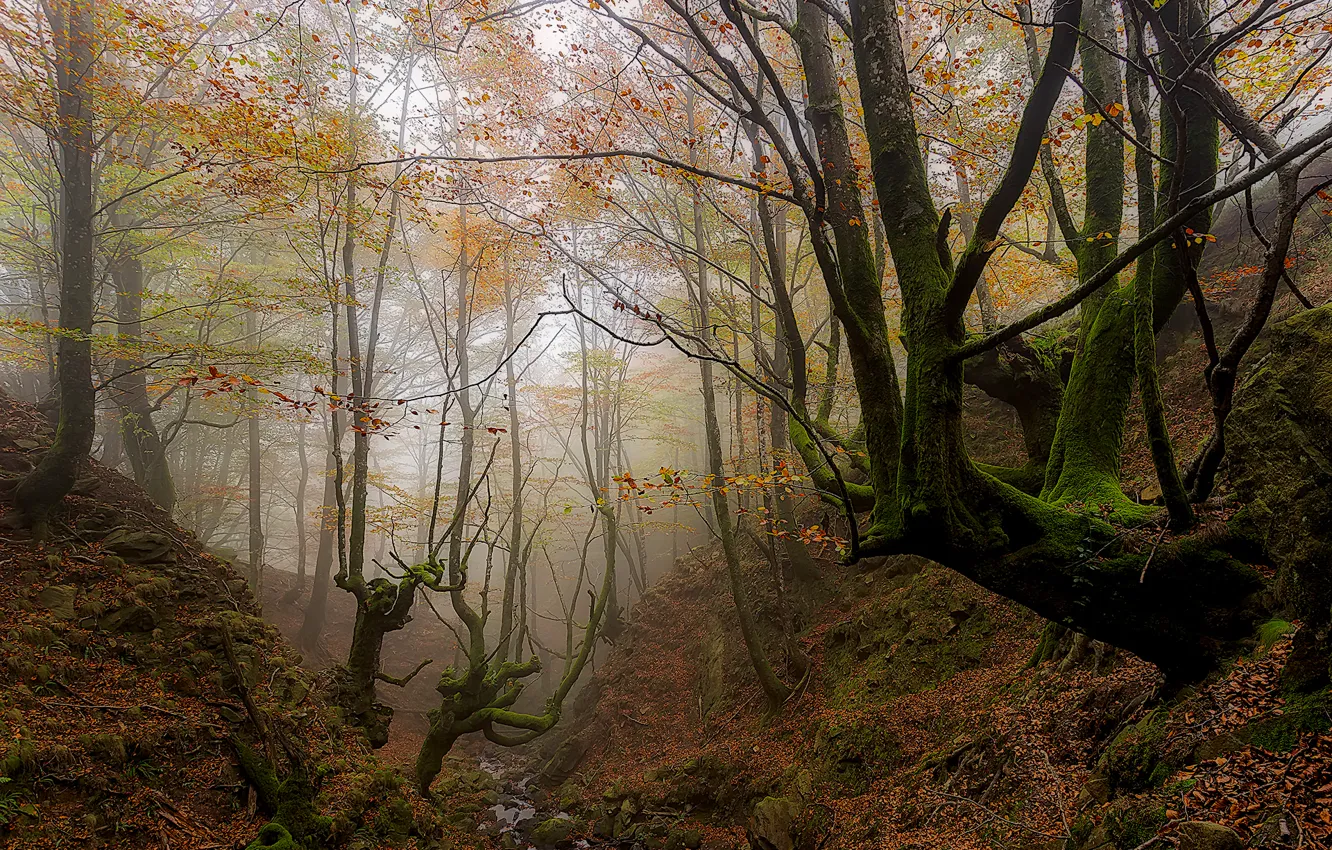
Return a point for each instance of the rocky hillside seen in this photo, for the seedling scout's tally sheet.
(925, 723)
(144, 703)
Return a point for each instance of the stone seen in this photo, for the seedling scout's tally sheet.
(552, 832)
(1280, 467)
(772, 823)
(1203, 835)
(273, 836)
(684, 839)
(131, 618)
(59, 600)
(141, 547)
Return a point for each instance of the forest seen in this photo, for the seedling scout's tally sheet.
(664, 424)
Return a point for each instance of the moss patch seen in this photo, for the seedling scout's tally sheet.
(1303, 714)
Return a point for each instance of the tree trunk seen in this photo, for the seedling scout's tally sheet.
(141, 438)
(516, 481)
(38, 494)
(856, 288)
(256, 517)
(301, 520)
(773, 688)
(1085, 458)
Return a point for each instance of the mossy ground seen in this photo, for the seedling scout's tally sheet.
(118, 704)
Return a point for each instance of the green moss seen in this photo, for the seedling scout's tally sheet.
(1303, 714)
(1249, 528)
(1028, 478)
(1132, 827)
(1272, 631)
(931, 627)
(394, 820)
(273, 836)
(1135, 760)
(855, 750)
(291, 800)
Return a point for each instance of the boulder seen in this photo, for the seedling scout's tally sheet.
(1203, 835)
(131, 618)
(1279, 463)
(273, 836)
(684, 839)
(59, 600)
(552, 832)
(773, 824)
(141, 547)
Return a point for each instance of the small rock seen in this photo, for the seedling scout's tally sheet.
(1203, 835)
(684, 839)
(59, 600)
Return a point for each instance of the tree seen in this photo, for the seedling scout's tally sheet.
(74, 51)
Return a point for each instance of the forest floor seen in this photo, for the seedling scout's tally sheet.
(924, 725)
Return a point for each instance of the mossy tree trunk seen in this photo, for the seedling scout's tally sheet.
(38, 494)
(1144, 332)
(1052, 560)
(1085, 460)
(142, 441)
(850, 270)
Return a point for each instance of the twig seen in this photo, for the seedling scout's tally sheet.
(1058, 792)
(253, 710)
(402, 682)
(1143, 575)
(959, 799)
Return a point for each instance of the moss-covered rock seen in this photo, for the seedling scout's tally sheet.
(774, 823)
(854, 749)
(273, 836)
(1203, 835)
(1137, 759)
(1278, 454)
(552, 832)
(928, 628)
(1124, 825)
(1303, 713)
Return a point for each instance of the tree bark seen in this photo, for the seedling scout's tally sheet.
(141, 439)
(38, 494)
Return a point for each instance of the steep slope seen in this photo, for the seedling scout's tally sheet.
(925, 724)
(135, 673)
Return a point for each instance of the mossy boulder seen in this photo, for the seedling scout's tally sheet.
(1137, 758)
(684, 839)
(59, 600)
(774, 824)
(929, 626)
(855, 749)
(141, 547)
(1302, 714)
(1278, 454)
(552, 832)
(273, 836)
(1123, 825)
(1204, 835)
